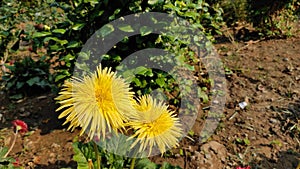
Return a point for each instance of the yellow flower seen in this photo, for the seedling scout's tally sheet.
(155, 125)
(97, 103)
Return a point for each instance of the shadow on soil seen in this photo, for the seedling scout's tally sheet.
(285, 160)
(37, 111)
(57, 165)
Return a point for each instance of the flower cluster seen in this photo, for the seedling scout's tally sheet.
(103, 102)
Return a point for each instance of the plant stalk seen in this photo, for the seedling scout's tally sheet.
(132, 163)
(97, 155)
(13, 144)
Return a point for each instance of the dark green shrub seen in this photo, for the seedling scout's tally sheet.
(28, 77)
(273, 18)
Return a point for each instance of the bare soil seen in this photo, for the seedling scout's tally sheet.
(266, 134)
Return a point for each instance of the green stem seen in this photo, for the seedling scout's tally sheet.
(132, 163)
(97, 155)
(12, 145)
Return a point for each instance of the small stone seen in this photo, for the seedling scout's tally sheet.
(30, 145)
(274, 121)
(285, 59)
(55, 146)
(229, 53)
(216, 147)
(207, 156)
(30, 164)
(36, 159)
(25, 114)
(190, 149)
(52, 158)
(52, 155)
(22, 109)
(197, 153)
(41, 97)
(177, 155)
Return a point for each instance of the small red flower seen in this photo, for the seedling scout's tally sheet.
(248, 167)
(20, 126)
(16, 163)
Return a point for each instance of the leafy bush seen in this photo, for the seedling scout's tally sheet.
(273, 18)
(234, 11)
(28, 76)
(86, 157)
(73, 22)
(268, 18)
(65, 39)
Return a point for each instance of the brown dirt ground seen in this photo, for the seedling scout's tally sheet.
(266, 74)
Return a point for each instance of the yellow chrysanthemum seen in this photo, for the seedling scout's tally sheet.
(97, 103)
(155, 125)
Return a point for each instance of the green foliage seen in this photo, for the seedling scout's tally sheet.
(273, 18)
(268, 18)
(84, 152)
(26, 22)
(208, 18)
(28, 74)
(6, 162)
(19, 17)
(71, 23)
(244, 141)
(234, 11)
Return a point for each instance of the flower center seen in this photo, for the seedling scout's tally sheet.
(159, 125)
(104, 97)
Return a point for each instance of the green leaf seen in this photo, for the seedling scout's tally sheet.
(160, 82)
(78, 26)
(61, 31)
(117, 144)
(128, 74)
(20, 85)
(55, 48)
(126, 28)
(141, 70)
(239, 140)
(3, 151)
(92, 2)
(83, 56)
(247, 141)
(61, 42)
(33, 81)
(41, 34)
(73, 44)
(79, 157)
(137, 81)
(153, 2)
(145, 163)
(16, 96)
(68, 57)
(144, 30)
(203, 96)
(106, 30)
(59, 77)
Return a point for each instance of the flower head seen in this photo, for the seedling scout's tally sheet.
(239, 167)
(16, 163)
(154, 125)
(96, 103)
(20, 126)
